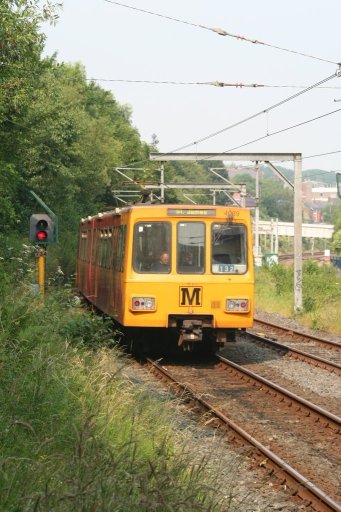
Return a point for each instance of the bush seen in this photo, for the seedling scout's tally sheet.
(282, 277)
(336, 243)
(321, 288)
(91, 330)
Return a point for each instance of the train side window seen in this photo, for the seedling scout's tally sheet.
(83, 245)
(95, 247)
(101, 247)
(151, 239)
(228, 250)
(109, 249)
(87, 248)
(104, 248)
(120, 252)
(114, 246)
(124, 237)
(191, 248)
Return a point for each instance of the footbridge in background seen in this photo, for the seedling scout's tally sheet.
(279, 228)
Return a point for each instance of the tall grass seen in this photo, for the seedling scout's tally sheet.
(321, 294)
(74, 434)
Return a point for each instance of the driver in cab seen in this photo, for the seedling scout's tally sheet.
(163, 265)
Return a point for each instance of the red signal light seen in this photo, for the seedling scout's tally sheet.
(41, 236)
(42, 229)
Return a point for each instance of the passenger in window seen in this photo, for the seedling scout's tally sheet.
(186, 261)
(163, 265)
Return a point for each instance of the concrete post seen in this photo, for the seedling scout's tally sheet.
(298, 272)
(162, 182)
(276, 238)
(257, 247)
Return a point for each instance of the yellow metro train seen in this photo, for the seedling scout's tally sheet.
(170, 275)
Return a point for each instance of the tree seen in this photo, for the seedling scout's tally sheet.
(336, 243)
(276, 201)
(336, 218)
(154, 143)
(246, 179)
(21, 44)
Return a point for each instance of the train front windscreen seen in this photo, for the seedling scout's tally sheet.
(152, 247)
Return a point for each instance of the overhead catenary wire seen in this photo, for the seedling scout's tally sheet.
(220, 31)
(317, 155)
(266, 110)
(214, 83)
(274, 133)
(211, 83)
(238, 123)
(291, 127)
(253, 116)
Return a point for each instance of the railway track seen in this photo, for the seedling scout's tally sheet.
(312, 349)
(295, 438)
(307, 255)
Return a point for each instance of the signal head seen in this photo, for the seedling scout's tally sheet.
(41, 229)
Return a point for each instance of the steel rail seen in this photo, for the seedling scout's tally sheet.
(331, 420)
(299, 485)
(299, 354)
(306, 255)
(299, 333)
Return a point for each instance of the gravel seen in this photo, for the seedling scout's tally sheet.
(308, 377)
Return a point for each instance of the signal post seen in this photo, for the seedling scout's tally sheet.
(41, 253)
(43, 231)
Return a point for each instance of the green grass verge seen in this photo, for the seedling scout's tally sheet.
(321, 294)
(74, 434)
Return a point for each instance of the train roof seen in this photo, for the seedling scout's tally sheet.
(171, 210)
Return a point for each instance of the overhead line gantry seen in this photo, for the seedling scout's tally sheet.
(296, 158)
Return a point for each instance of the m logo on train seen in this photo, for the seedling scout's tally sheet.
(190, 296)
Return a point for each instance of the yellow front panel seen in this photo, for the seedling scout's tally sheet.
(174, 296)
(187, 294)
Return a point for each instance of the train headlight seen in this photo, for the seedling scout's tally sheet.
(143, 303)
(237, 305)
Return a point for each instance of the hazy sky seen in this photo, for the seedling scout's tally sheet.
(117, 43)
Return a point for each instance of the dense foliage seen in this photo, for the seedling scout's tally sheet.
(60, 135)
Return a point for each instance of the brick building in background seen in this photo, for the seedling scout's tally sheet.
(317, 196)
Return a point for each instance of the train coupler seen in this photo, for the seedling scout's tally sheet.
(190, 332)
